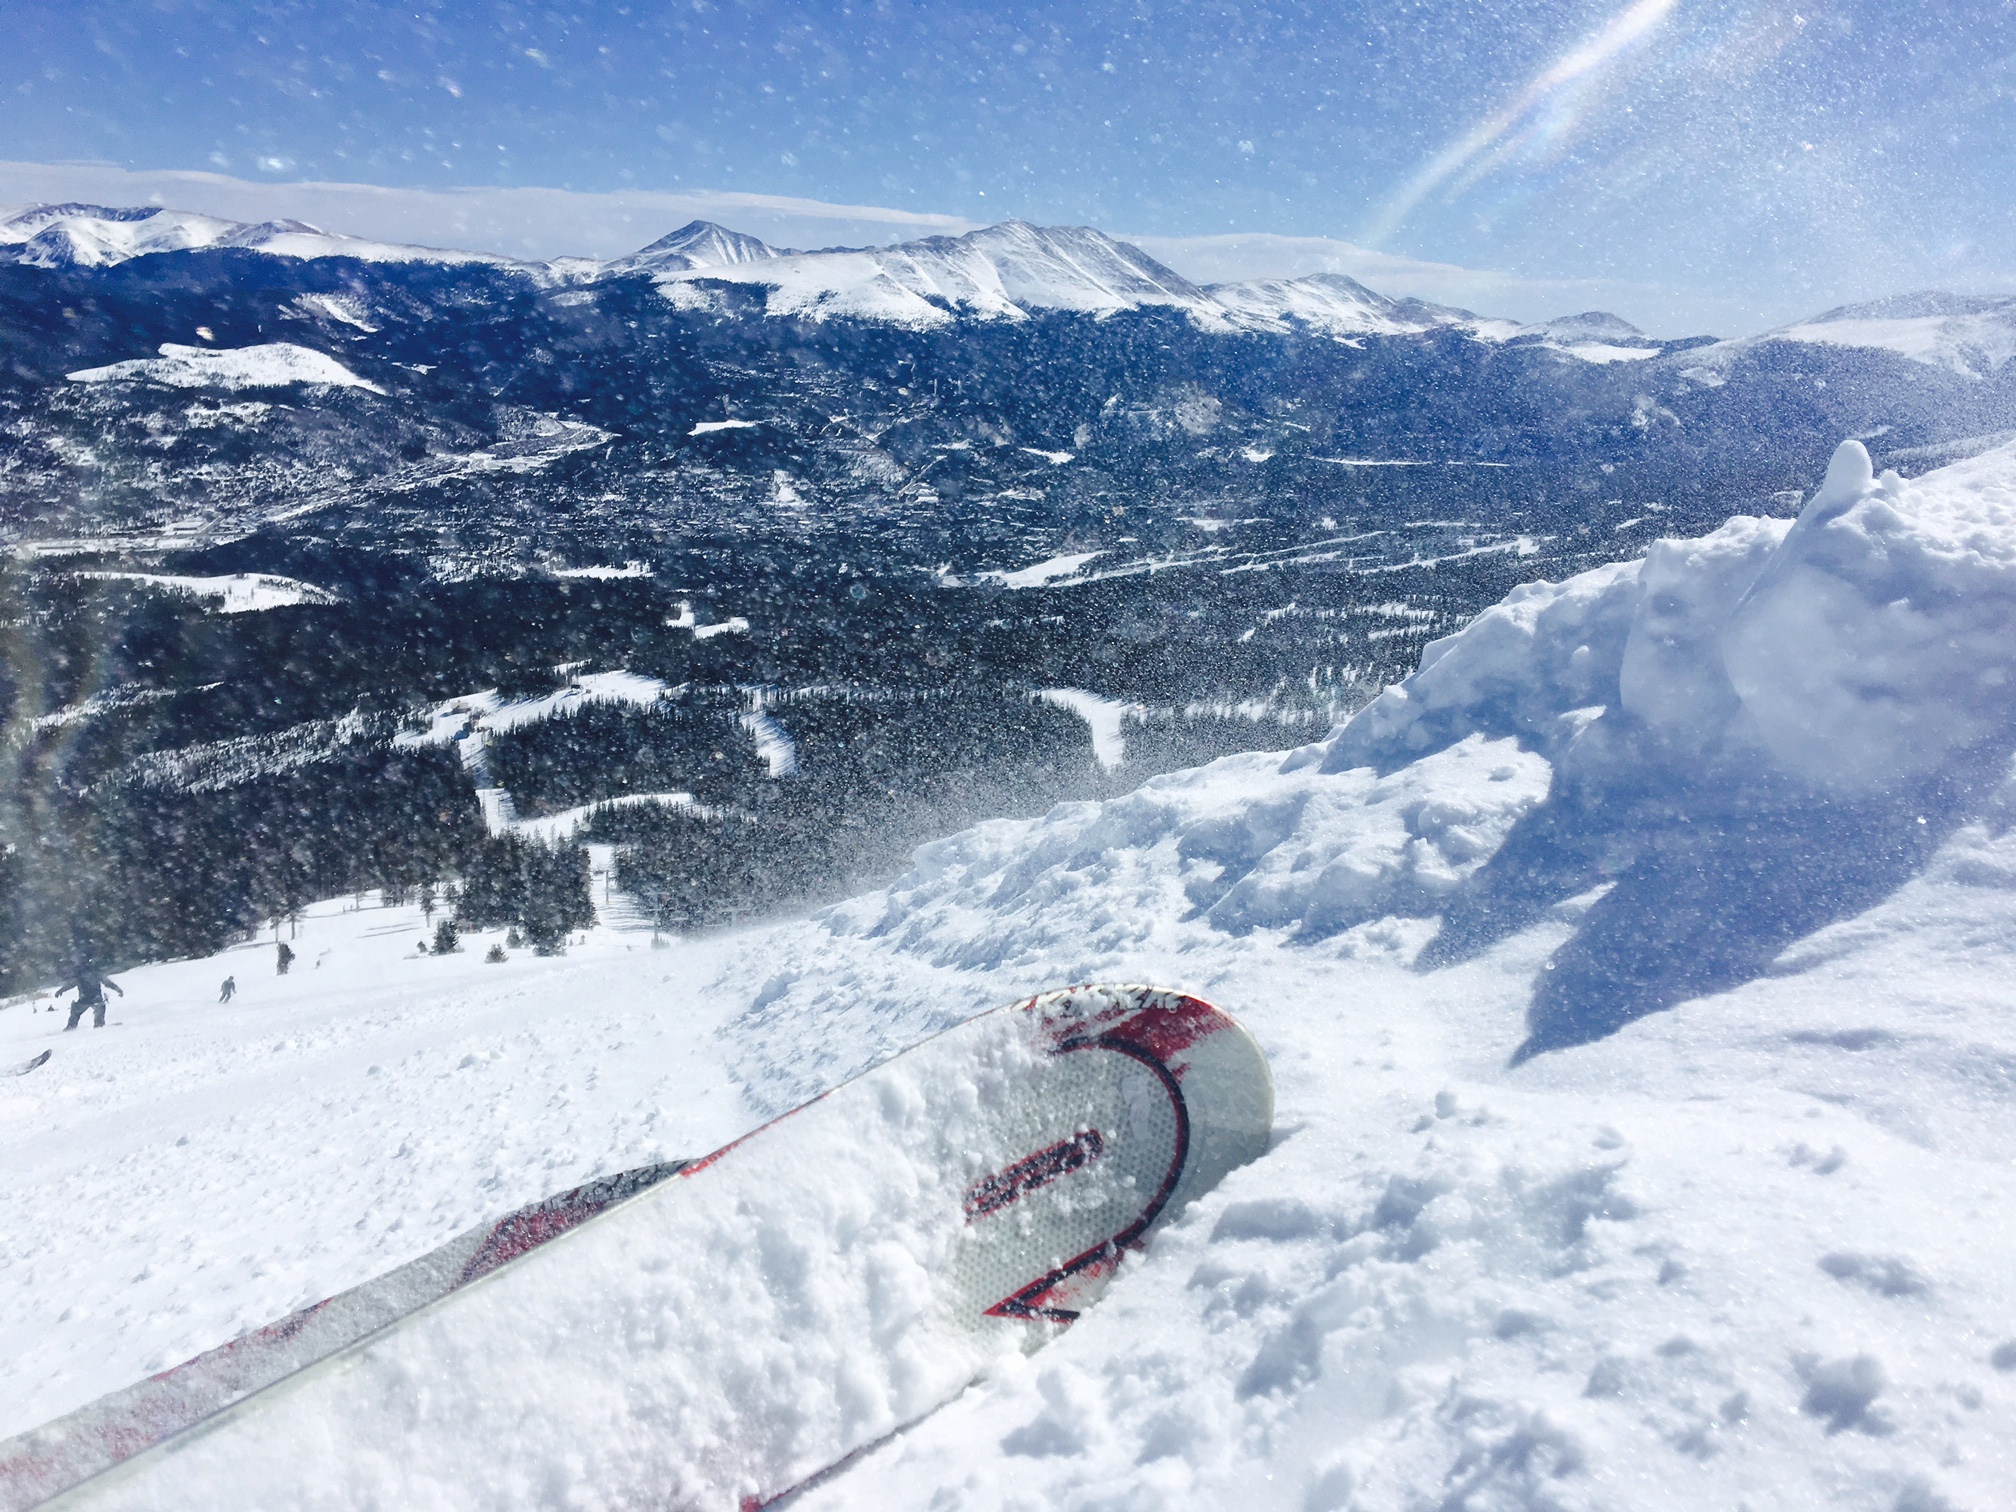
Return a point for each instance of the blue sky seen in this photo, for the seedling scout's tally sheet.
(1757, 160)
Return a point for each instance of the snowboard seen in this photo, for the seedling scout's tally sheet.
(719, 1333)
(28, 1065)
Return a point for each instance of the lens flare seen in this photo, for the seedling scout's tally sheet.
(1543, 114)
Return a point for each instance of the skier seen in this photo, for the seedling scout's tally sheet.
(286, 958)
(90, 987)
(229, 990)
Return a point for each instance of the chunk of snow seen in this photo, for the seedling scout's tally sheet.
(708, 427)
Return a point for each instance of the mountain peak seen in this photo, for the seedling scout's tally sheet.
(697, 244)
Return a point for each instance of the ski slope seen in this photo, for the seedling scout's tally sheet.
(1635, 981)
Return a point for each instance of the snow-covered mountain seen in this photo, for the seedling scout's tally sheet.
(1000, 273)
(1723, 834)
(94, 236)
(1973, 336)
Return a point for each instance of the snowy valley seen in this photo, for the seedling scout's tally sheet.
(1633, 976)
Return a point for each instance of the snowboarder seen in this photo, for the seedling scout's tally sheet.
(228, 991)
(90, 987)
(286, 958)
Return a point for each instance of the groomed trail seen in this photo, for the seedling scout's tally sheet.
(1635, 983)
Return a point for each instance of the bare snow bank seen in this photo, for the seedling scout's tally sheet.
(275, 364)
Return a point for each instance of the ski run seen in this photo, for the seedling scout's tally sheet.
(1635, 982)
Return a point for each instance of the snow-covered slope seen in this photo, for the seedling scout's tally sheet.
(235, 593)
(1330, 304)
(1749, 1250)
(1971, 335)
(274, 364)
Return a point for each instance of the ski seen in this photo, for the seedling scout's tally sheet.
(721, 1333)
(29, 1065)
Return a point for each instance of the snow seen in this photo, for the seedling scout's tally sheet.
(239, 593)
(274, 364)
(735, 624)
(1735, 1234)
(1039, 574)
(1104, 717)
(708, 427)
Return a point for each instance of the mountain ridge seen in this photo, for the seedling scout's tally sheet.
(1001, 272)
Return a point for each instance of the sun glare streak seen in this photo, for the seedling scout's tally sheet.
(1545, 110)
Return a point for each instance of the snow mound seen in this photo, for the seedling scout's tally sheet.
(1854, 649)
(1753, 734)
(274, 364)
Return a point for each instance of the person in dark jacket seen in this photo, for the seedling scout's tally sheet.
(284, 959)
(90, 985)
(228, 991)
